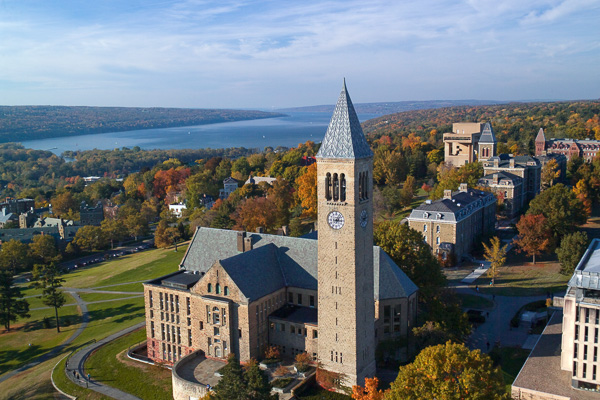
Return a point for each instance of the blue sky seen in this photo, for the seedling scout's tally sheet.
(261, 54)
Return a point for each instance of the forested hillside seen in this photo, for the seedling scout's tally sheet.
(514, 123)
(18, 123)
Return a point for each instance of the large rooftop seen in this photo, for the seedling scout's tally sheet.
(587, 273)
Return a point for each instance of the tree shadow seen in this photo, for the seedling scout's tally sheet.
(21, 356)
(124, 313)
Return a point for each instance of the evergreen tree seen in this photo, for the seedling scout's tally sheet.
(47, 277)
(232, 385)
(12, 304)
(571, 250)
(258, 386)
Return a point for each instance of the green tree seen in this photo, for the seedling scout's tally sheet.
(257, 383)
(550, 172)
(534, 236)
(47, 277)
(412, 254)
(12, 304)
(14, 256)
(43, 249)
(113, 230)
(495, 253)
(570, 251)
(90, 238)
(231, 386)
(451, 372)
(136, 225)
(562, 209)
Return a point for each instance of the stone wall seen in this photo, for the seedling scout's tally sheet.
(183, 389)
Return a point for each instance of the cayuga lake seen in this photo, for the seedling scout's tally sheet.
(288, 131)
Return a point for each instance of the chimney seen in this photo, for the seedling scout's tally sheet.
(512, 162)
(260, 229)
(496, 179)
(496, 162)
(448, 194)
(240, 241)
(247, 243)
(463, 187)
(285, 230)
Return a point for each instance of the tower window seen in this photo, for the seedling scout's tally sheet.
(336, 187)
(328, 186)
(342, 187)
(366, 185)
(209, 287)
(360, 185)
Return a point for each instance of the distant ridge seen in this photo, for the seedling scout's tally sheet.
(385, 108)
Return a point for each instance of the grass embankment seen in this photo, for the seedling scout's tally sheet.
(92, 297)
(110, 364)
(510, 360)
(474, 301)
(105, 318)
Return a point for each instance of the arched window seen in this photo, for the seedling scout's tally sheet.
(217, 351)
(218, 289)
(226, 290)
(342, 187)
(360, 185)
(209, 287)
(216, 316)
(366, 185)
(336, 187)
(328, 186)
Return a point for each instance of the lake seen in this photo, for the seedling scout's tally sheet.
(288, 131)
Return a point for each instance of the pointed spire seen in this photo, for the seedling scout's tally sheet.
(344, 137)
(541, 137)
(487, 135)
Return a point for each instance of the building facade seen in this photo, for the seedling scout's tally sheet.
(331, 294)
(587, 149)
(507, 187)
(91, 215)
(461, 145)
(528, 168)
(453, 224)
(230, 185)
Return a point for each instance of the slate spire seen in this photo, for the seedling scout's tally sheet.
(344, 137)
(487, 135)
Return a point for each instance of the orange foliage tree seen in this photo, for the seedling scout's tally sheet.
(256, 212)
(170, 180)
(369, 392)
(535, 236)
(307, 191)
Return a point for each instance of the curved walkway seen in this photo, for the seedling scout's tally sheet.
(77, 361)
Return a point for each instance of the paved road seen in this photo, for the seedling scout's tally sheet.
(77, 361)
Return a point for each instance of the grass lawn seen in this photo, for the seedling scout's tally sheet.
(65, 384)
(127, 287)
(90, 297)
(15, 349)
(110, 364)
(130, 268)
(474, 301)
(522, 278)
(317, 393)
(33, 384)
(511, 360)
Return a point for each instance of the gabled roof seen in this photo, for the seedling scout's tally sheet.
(279, 261)
(487, 135)
(344, 137)
(540, 136)
(229, 180)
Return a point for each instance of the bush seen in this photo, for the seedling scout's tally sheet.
(272, 353)
(281, 382)
(281, 371)
(303, 361)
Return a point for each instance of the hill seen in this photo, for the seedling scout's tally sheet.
(512, 122)
(393, 107)
(18, 123)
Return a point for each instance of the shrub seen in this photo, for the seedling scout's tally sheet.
(281, 371)
(303, 361)
(272, 353)
(281, 382)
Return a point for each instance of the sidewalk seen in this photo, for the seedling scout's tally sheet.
(77, 360)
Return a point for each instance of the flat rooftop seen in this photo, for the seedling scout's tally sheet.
(587, 273)
(297, 314)
(541, 372)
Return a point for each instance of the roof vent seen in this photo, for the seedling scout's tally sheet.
(458, 204)
(428, 201)
(454, 200)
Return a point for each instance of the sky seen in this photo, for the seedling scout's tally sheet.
(271, 54)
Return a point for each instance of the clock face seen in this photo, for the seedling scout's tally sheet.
(364, 218)
(335, 219)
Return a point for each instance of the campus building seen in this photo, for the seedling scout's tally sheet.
(454, 223)
(332, 294)
(527, 168)
(587, 149)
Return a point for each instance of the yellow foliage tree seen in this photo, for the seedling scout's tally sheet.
(307, 191)
(369, 392)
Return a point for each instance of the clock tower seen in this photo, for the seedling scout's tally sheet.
(346, 311)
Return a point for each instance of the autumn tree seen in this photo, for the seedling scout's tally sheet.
(113, 230)
(550, 172)
(449, 371)
(166, 235)
(307, 191)
(562, 209)
(12, 303)
(583, 192)
(449, 178)
(369, 392)
(47, 277)
(495, 254)
(534, 236)
(65, 204)
(571, 249)
(43, 249)
(412, 254)
(256, 212)
(14, 256)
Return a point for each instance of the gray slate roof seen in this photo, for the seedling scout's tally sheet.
(344, 137)
(487, 135)
(502, 176)
(450, 210)
(279, 261)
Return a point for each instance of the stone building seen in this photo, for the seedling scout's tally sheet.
(331, 294)
(508, 187)
(453, 224)
(587, 149)
(230, 185)
(526, 167)
(16, 206)
(91, 215)
(461, 145)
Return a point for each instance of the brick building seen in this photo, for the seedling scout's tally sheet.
(453, 224)
(587, 149)
(333, 296)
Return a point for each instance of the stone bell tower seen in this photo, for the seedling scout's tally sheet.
(346, 311)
